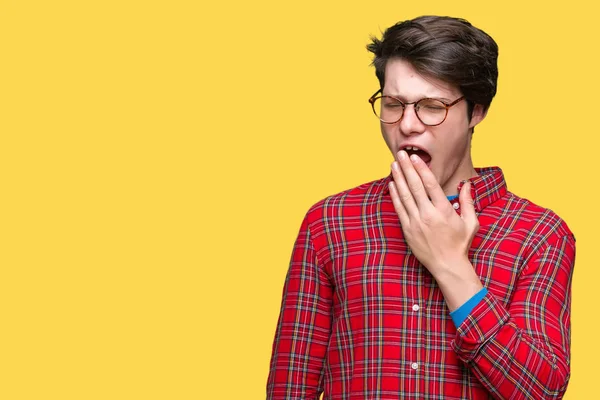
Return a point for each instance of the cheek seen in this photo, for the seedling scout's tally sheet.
(388, 136)
(451, 149)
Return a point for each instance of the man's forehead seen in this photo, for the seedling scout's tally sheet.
(403, 79)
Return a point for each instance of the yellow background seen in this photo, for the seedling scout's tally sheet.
(157, 158)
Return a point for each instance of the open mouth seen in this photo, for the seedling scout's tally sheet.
(423, 155)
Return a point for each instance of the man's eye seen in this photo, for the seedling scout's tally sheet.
(393, 105)
(431, 106)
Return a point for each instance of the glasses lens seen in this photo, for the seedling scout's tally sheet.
(431, 112)
(388, 109)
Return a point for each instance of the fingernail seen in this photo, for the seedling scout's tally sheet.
(402, 155)
(395, 166)
(414, 158)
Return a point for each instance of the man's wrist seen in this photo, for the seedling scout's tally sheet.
(458, 282)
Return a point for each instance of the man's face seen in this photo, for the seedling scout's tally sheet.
(448, 144)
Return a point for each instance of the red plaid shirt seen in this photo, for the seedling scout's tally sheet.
(361, 318)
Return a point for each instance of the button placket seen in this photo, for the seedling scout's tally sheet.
(415, 307)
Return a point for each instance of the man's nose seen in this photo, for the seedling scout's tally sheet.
(410, 124)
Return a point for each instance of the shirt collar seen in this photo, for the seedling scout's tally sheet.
(487, 187)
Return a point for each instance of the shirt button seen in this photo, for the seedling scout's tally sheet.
(456, 206)
(415, 307)
(414, 365)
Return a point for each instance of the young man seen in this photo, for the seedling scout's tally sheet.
(435, 282)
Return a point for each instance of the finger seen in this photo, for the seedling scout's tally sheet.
(413, 180)
(430, 183)
(467, 208)
(398, 206)
(404, 193)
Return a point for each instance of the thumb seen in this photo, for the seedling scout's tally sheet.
(467, 206)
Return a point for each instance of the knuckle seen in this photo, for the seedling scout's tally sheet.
(427, 217)
(405, 197)
(430, 185)
(416, 188)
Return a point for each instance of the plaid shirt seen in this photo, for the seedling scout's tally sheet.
(361, 318)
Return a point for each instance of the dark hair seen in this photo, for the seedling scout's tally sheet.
(449, 49)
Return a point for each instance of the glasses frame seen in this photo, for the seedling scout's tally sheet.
(374, 97)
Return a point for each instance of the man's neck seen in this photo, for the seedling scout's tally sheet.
(451, 188)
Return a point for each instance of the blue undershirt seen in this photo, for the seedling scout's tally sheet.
(460, 314)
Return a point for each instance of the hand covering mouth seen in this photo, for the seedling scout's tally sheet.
(424, 155)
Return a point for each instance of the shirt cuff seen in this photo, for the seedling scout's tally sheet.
(462, 312)
(481, 325)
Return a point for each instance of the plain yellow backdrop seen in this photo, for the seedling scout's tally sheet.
(157, 158)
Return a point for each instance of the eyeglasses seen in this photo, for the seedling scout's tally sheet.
(431, 112)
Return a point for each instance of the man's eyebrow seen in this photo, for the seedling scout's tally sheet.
(403, 99)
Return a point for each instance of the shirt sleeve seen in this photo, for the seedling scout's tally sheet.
(303, 328)
(522, 351)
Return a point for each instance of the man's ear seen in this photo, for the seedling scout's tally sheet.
(478, 114)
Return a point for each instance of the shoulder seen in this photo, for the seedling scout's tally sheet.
(348, 202)
(539, 224)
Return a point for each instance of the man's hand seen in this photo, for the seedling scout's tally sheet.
(436, 234)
